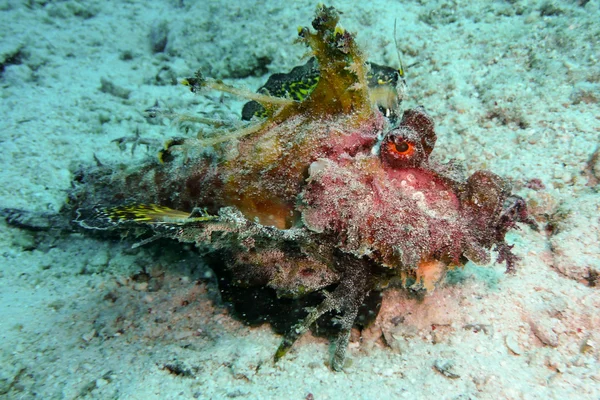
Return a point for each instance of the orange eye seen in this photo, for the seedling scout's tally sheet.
(400, 147)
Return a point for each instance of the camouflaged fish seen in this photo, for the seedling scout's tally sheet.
(318, 197)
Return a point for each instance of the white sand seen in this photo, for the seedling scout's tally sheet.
(514, 87)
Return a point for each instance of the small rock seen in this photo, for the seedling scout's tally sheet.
(89, 336)
(159, 33)
(140, 286)
(542, 329)
(576, 255)
(511, 342)
(397, 337)
(587, 346)
(101, 383)
(122, 280)
(108, 87)
(446, 368)
(592, 168)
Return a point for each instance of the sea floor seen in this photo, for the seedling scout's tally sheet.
(513, 87)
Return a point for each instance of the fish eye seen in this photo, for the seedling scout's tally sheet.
(399, 150)
(402, 147)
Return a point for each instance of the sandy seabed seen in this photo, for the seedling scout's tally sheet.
(513, 87)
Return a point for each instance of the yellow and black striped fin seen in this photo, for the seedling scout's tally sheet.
(153, 215)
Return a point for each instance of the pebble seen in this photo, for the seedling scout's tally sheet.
(543, 331)
(159, 36)
(89, 336)
(140, 286)
(109, 87)
(446, 368)
(513, 345)
(101, 383)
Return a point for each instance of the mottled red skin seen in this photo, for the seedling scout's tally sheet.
(397, 208)
(261, 175)
(403, 210)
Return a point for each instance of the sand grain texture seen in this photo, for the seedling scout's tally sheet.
(513, 87)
